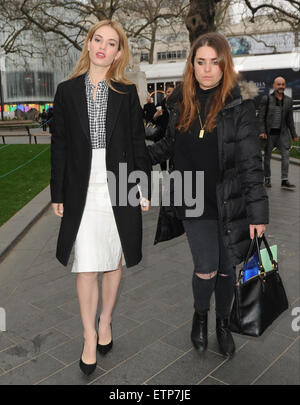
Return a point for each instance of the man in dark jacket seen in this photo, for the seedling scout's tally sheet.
(149, 109)
(276, 126)
(43, 117)
(50, 120)
(161, 117)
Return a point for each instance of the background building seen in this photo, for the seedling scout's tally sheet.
(257, 49)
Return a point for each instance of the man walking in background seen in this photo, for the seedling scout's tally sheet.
(277, 127)
(149, 109)
(161, 117)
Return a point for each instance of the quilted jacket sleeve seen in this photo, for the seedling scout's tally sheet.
(249, 164)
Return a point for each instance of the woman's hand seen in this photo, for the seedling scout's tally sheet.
(263, 136)
(260, 229)
(58, 209)
(158, 114)
(145, 204)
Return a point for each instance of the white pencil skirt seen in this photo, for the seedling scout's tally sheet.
(97, 246)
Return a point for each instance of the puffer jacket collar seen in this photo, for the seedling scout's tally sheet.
(234, 99)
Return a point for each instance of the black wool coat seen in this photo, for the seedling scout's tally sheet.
(240, 192)
(71, 155)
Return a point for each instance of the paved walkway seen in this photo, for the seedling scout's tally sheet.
(152, 319)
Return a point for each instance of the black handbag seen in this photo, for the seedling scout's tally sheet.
(259, 300)
(169, 226)
(152, 132)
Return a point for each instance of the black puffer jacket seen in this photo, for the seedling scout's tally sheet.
(241, 197)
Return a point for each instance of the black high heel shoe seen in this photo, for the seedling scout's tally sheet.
(103, 349)
(87, 369)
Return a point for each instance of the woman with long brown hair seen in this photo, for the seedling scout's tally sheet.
(212, 129)
(98, 124)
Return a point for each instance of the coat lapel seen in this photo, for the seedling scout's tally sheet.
(113, 109)
(81, 103)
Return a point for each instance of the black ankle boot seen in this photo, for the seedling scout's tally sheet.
(225, 339)
(199, 331)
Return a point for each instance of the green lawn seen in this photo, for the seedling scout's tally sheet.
(24, 172)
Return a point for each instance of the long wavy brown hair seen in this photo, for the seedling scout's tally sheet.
(188, 105)
(116, 71)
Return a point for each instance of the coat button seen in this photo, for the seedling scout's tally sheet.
(228, 231)
(225, 202)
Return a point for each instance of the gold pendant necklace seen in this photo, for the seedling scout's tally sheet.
(202, 130)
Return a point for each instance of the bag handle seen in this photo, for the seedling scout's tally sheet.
(274, 263)
(250, 251)
(255, 245)
(260, 266)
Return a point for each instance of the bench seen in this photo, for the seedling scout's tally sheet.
(21, 128)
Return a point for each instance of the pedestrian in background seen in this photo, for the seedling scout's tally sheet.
(212, 129)
(277, 127)
(50, 120)
(43, 117)
(161, 117)
(149, 110)
(98, 124)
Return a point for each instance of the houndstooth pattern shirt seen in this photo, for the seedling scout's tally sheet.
(97, 112)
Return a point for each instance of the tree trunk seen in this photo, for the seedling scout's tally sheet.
(153, 39)
(296, 38)
(201, 17)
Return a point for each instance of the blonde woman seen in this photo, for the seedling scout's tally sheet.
(98, 124)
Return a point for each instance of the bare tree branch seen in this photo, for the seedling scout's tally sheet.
(282, 10)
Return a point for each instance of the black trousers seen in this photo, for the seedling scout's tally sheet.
(209, 256)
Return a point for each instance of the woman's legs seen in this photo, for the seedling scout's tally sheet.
(213, 273)
(110, 286)
(224, 291)
(88, 296)
(203, 288)
(88, 292)
(202, 236)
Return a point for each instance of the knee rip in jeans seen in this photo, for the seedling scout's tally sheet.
(206, 276)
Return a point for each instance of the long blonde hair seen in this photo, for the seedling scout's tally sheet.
(188, 109)
(116, 71)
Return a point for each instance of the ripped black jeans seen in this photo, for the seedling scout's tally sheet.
(213, 269)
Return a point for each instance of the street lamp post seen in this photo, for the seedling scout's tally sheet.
(1, 96)
(2, 67)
